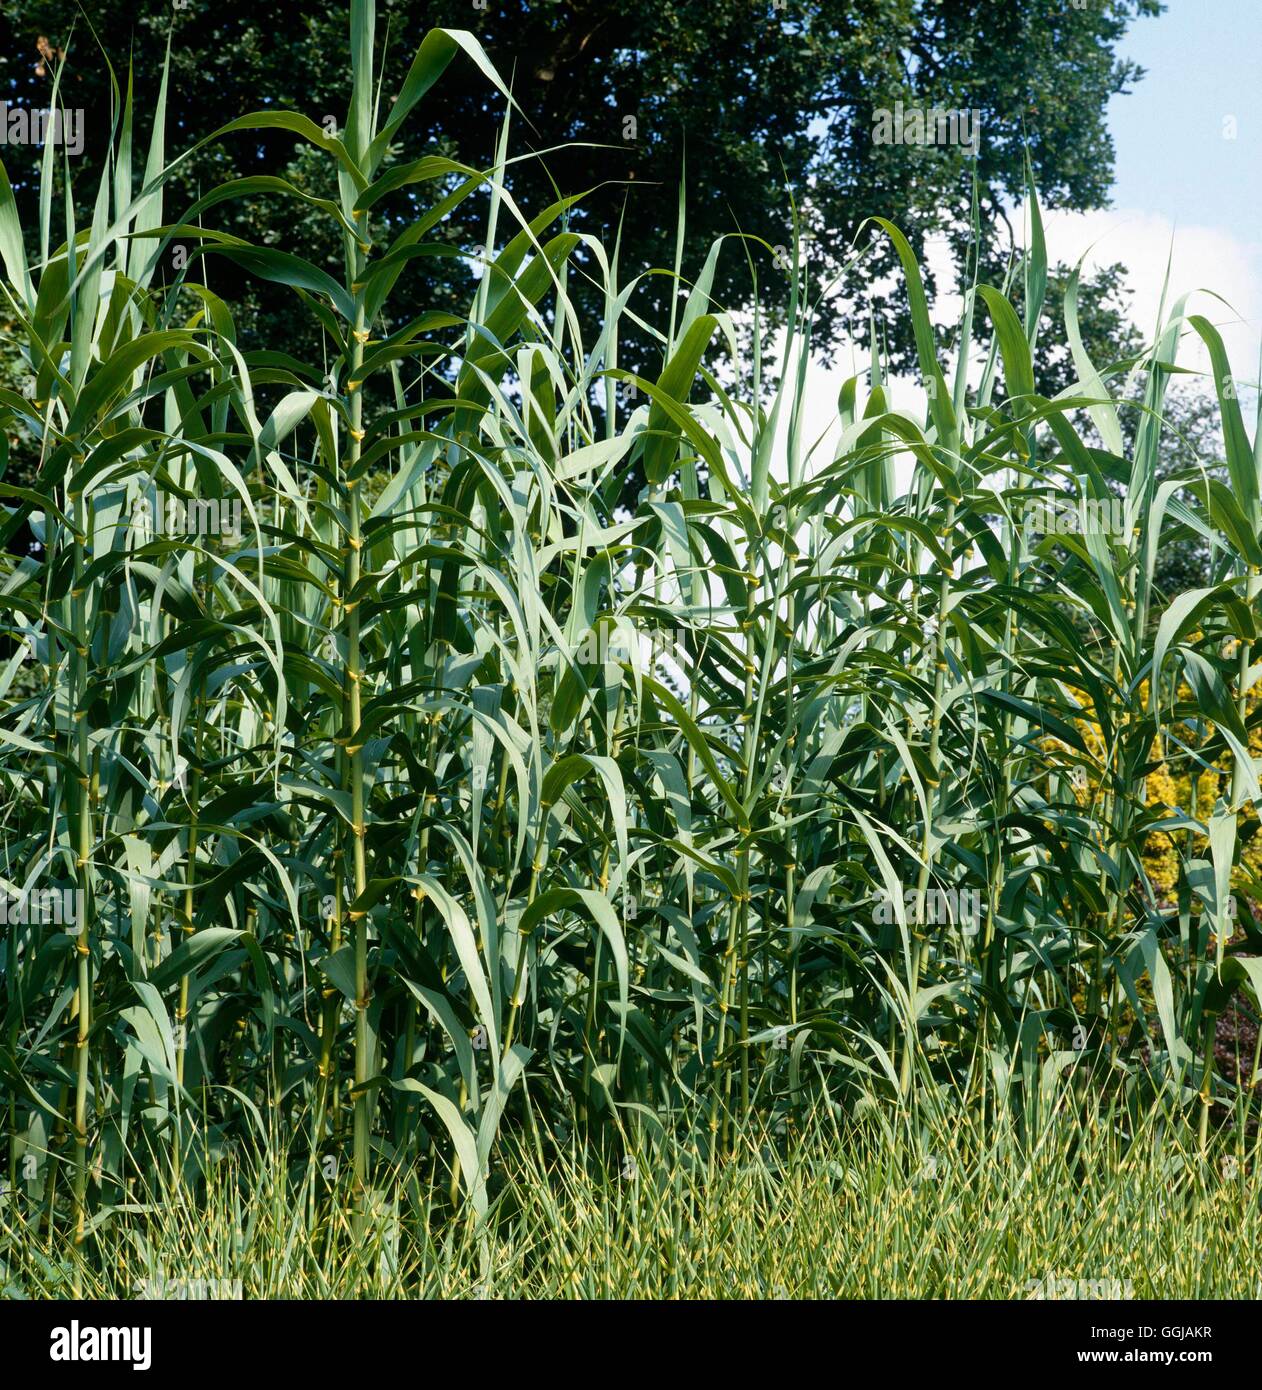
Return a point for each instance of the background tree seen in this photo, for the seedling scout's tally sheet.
(752, 97)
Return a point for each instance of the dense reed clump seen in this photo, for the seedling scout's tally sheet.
(406, 793)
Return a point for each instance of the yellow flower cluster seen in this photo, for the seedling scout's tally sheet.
(1172, 791)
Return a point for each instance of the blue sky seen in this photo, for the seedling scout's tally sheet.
(1186, 204)
(1188, 175)
(1204, 61)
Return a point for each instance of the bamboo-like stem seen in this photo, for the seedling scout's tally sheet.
(190, 875)
(920, 945)
(1207, 1080)
(83, 857)
(523, 946)
(354, 750)
(738, 920)
(790, 870)
(1253, 588)
(331, 1004)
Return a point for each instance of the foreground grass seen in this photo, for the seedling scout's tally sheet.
(875, 1212)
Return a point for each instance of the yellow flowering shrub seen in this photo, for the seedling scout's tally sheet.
(1171, 790)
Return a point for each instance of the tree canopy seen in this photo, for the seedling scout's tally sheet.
(759, 104)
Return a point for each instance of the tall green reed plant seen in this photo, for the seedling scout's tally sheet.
(453, 794)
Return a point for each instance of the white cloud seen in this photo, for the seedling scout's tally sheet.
(1197, 258)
